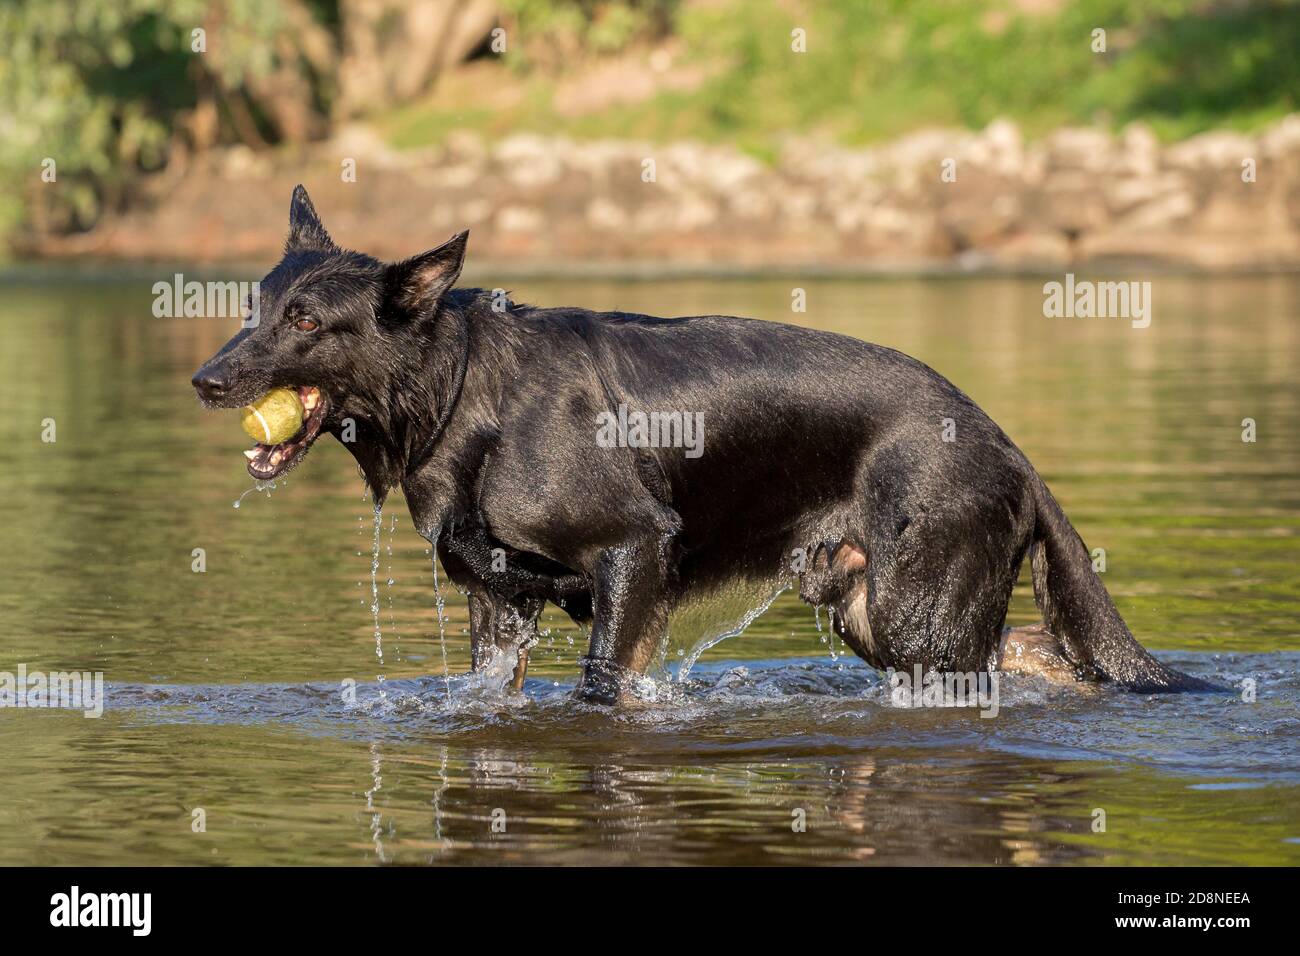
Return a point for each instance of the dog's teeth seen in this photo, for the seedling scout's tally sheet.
(250, 454)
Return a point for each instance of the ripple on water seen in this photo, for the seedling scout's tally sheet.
(797, 706)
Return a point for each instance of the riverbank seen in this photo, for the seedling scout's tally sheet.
(933, 201)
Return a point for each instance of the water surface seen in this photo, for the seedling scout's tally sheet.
(255, 692)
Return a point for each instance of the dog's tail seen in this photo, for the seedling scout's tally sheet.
(1079, 612)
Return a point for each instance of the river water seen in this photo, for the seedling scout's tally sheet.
(254, 715)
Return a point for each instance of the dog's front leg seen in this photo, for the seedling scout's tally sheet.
(631, 603)
(503, 626)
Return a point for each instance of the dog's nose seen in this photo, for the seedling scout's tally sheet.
(211, 384)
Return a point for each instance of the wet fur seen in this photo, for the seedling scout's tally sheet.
(815, 443)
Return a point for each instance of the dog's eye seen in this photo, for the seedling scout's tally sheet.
(306, 325)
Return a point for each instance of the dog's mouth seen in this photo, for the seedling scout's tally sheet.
(271, 461)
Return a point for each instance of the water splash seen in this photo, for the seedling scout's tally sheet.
(389, 583)
(374, 591)
(440, 605)
(267, 486)
(749, 618)
(826, 636)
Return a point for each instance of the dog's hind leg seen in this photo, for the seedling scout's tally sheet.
(498, 626)
(1035, 650)
(942, 569)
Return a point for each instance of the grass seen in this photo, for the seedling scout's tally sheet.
(875, 69)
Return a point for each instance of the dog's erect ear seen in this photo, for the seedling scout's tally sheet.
(419, 282)
(305, 229)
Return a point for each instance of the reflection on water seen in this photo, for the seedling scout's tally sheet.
(229, 689)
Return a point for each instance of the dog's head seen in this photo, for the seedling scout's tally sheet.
(331, 324)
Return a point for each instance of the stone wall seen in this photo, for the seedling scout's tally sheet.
(1219, 201)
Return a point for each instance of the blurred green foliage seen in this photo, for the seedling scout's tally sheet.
(97, 86)
(110, 88)
(554, 32)
(879, 68)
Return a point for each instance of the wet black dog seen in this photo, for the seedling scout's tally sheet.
(610, 463)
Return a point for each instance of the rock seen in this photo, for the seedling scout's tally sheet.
(1282, 139)
(1123, 193)
(1070, 202)
(1218, 150)
(1033, 250)
(1253, 211)
(1159, 213)
(606, 215)
(796, 204)
(519, 219)
(998, 149)
(464, 145)
(460, 176)
(476, 210)
(1139, 151)
(922, 152)
(1077, 195)
(529, 162)
(979, 221)
(1080, 148)
(360, 142)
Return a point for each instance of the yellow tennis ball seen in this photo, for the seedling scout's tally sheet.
(273, 418)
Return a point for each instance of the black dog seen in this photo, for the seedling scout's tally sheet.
(610, 462)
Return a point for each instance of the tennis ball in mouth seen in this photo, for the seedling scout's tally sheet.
(273, 418)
